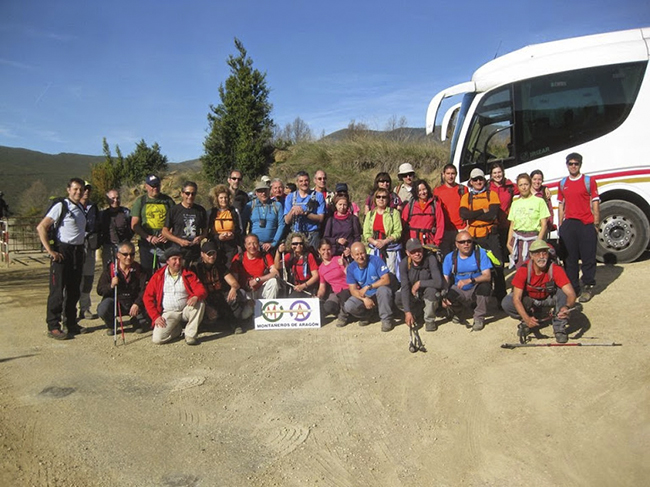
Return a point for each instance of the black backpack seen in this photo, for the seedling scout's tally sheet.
(53, 231)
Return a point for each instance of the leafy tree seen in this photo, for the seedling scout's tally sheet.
(241, 125)
(107, 174)
(142, 161)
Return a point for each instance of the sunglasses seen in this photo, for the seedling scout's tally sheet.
(409, 175)
(478, 179)
(464, 242)
(381, 197)
(189, 193)
(572, 163)
(212, 253)
(236, 179)
(296, 244)
(321, 179)
(383, 181)
(128, 254)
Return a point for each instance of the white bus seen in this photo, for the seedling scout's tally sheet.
(530, 108)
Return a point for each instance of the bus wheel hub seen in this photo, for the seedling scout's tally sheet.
(617, 232)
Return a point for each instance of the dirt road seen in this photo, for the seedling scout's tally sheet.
(333, 407)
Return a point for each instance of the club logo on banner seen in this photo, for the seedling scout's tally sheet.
(284, 313)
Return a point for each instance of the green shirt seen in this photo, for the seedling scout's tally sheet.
(152, 212)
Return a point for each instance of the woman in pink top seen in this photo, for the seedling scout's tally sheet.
(333, 290)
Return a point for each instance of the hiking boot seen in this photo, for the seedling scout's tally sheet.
(431, 326)
(364, 322)
(57, 334)
(78, 330)
(87, 315)
(386, 325)
(587, 294)
(478, 325)
(459, 321)
(191, 340)
(339, 323)
(110, 332)
(561, 337)
(238, 330)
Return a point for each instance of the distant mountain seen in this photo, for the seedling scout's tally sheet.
(19, 168)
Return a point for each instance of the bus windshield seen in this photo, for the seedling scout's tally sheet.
(460, 119)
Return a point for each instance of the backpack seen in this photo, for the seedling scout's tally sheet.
(272, 202)
(549, 288)
(421, 231)
(587, 181)
(454, 259)
(53, 231)
(312, 206)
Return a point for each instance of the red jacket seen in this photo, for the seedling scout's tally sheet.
(427, 225)
(153, 294)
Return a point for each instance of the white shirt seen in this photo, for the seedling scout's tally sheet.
(174, 292)
(73, 226)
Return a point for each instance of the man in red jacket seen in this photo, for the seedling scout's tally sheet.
(175, 296)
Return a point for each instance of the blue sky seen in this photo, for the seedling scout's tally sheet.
(72, 72)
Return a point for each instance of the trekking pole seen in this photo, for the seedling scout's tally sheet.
(115, 304)
(512, 346)
(292, 286)
(415, 342)
(119, 308)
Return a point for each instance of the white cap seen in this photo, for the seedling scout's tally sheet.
(476, 173)
(405, 169)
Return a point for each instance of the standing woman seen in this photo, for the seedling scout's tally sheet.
(298, 266)
(224, 224)
(541, 191)
(333, 289)
(382, 229)
(505, 190)
(383, 181)
(342, 229)
(528, 221)
(423, 216)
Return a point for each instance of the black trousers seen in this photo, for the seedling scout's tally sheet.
(579, 240)
(491, 242)
(65, 277)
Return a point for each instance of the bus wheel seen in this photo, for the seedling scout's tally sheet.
(623, 232)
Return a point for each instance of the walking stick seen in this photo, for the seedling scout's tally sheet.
(415, 343)
(115, 304)
(512, 346)
(121, 324)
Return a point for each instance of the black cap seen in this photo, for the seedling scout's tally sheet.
(574, 156)
(209, 246)
(173, 251)
(153, 181)
(341, 188)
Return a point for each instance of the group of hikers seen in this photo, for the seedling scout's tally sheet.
(429, 254)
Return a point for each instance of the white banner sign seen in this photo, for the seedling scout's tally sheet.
(284, 313)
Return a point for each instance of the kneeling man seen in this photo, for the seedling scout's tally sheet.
(468, 273)
(369, 283)
(175, 296)
(421, 285)
(541, 284)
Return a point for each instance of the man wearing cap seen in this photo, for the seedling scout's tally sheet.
(406, 175)
(255, 270)
(187, 224)
(422, 284)
(91, 244)
(579, 218)
(265, 218)
(173, 297)
(238, 196)
(467, 271)
(480, 208)
(304, 209)
(67, 257)
(225, 299)
(369, 283)
(541, 284)
(148, 217)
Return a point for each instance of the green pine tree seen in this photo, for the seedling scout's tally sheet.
(241, 125)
